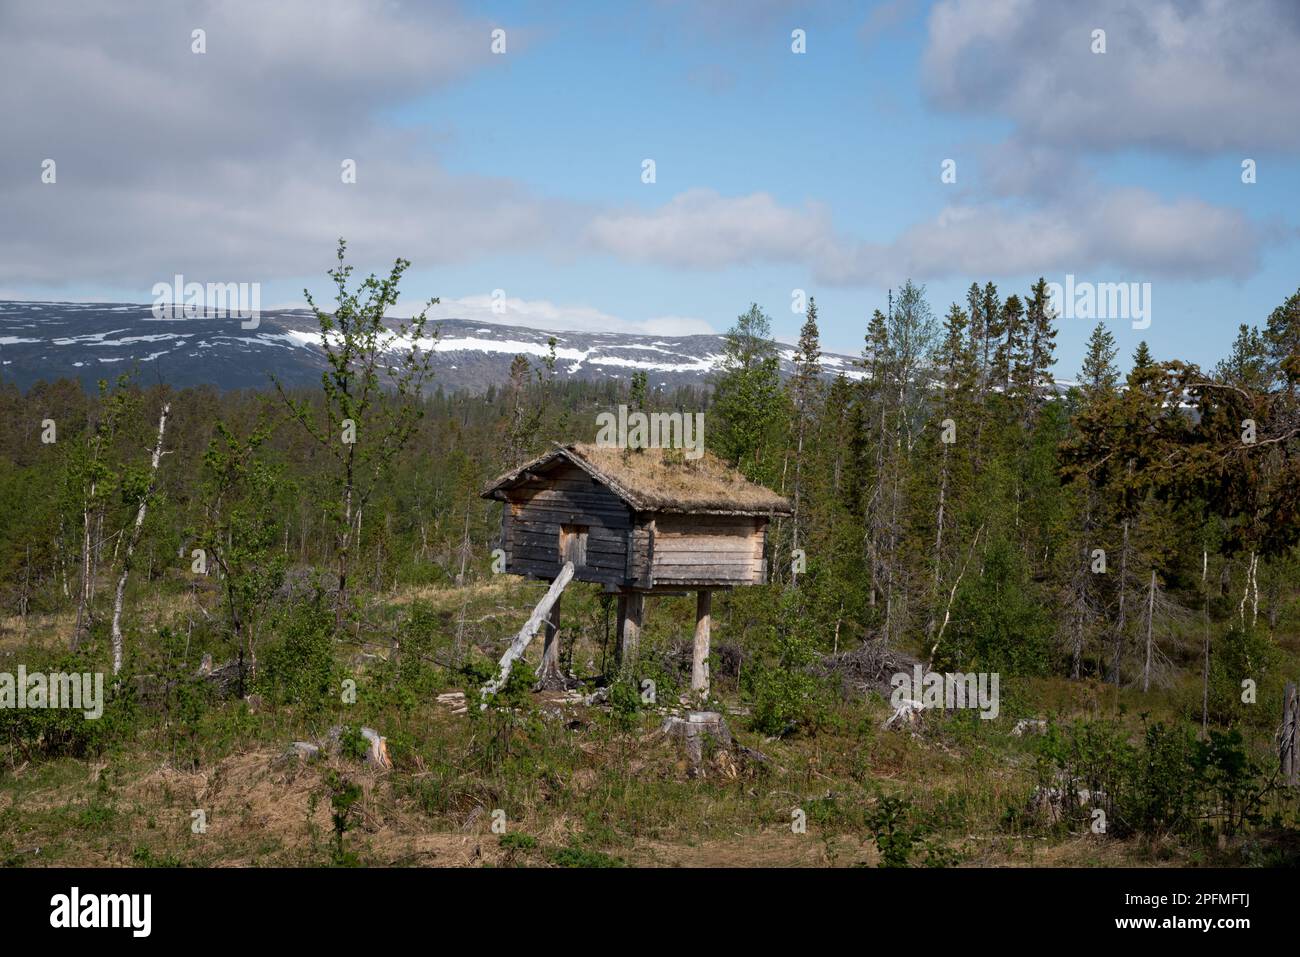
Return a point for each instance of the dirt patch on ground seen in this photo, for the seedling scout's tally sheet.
(264, 808)
(773, 848)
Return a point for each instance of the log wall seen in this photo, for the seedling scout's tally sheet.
(708, 550)
(535, 512)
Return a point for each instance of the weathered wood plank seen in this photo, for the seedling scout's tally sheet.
(596, 500)
(552, 541)
(646, 578)
(556, 515)
(691, 577)
(548, 570)
(707, 542)
(728, 572)
(704, 560)
(674, 524)
(710, 531)
(638, 559)
(702, 557)
(677, 585)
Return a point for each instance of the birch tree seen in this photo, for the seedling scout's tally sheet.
(142, 490)
(361, 429)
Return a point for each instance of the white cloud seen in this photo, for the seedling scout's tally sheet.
(1200, 76)
(700, 229)
(1130, 229)
(225, 166)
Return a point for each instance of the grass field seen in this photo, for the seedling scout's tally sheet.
(188, 778)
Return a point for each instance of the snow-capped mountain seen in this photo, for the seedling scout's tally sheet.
(93, 341)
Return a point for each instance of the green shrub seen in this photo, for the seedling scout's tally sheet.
(787, 698)
(624, 705)
(300, 668)
(518, 842)
(344, 796)
(581, 857)
(1168, 783)
(1242, 653)
(50, 732)
(900, 831)
(352, 743)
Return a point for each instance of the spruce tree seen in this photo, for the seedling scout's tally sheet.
(1142, 357)
(1008, 358)
(1099, 374)
(805, 393)
(1282, 339)
(1042, 341)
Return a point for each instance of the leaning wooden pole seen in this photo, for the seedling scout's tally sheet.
(520, 644)
(700, 653)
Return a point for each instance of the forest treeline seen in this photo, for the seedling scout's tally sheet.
(949, 497)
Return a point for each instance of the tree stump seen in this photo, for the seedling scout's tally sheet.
(701, 732)
(549, 675)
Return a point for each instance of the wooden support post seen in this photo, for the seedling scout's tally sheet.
(1289, 744)
(526, 633)
(631, 611)
(700, 656)
(548, 672)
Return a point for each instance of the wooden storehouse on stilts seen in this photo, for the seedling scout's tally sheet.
(640, 522)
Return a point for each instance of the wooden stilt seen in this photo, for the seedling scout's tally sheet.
(620, 614)
(700, 656)
(631, 611)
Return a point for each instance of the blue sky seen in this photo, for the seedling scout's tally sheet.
(774, 170)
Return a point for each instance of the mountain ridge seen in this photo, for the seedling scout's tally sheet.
(92, 341)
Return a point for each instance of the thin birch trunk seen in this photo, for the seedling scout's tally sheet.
(1151, 608)
(134, 540)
